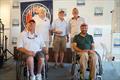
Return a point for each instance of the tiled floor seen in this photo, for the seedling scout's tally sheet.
(8, 72)
(111, 71)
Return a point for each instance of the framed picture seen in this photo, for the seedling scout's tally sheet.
(116, 39)
(98, 32)
(14, 40)
(30, 9)
(15, 4)
(98, 11)
(15, 22)
(80, 2)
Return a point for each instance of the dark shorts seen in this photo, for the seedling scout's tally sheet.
(39, 54)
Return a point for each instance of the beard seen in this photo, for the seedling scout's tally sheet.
(84, 32)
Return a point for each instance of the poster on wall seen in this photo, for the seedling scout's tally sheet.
(15, 4)
(30, 9)
(98, 11)
(116, 39)
(14, 40)
(98, 32)
(116, 43)
(80, 2)
(15, 22)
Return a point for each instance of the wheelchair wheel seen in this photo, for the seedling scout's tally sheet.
(99, 77)
(75, 72)
(73, 69)
(21, 71)
(99, 68)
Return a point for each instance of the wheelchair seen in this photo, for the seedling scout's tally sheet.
(75, 68)
(22, 72)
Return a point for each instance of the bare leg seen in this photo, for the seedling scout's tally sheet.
(61, 57)
(56, 58)
(40, 65)
(30, 63)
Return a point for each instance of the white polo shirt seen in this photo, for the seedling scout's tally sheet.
(74, 26)
(42, 27)
(30, 42)
(60, 26)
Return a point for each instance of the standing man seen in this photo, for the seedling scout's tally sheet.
(75, 22)
(60, 31)
(33, 46)
(83, 44)
(42, 25)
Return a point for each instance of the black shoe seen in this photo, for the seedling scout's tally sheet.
(56, 66)
(62, 65)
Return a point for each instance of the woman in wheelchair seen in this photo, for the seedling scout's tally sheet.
(32, 46)
(83, 45)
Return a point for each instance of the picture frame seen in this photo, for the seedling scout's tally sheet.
(15, 22)
(80, 2)
(98, 11)
(98, 32)
(14, 40)
(116, 39)
(15, 4)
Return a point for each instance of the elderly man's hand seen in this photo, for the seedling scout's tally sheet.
(44, 49)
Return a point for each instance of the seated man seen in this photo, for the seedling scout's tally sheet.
(32, 46)
(83, 44)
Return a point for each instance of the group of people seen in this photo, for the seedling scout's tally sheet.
(34, 42)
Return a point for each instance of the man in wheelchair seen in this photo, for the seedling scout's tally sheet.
(83, 45)
(32, 45)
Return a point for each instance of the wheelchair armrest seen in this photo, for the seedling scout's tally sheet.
(18, 55)
(77, 57)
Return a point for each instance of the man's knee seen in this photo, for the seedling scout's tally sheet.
(92, 57)
(40, 57)
(41, 61)
(83, 56)
(30, 59)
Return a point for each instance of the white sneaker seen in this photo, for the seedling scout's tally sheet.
(38, 77)
(32, 77)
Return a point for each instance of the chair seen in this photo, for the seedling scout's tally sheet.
(75, 69)
(22, 72)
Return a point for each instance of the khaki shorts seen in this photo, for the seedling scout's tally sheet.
(59, 44)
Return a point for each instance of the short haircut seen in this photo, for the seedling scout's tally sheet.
(83, 24)
(31, 21)
(61, 11)
(75, 9)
